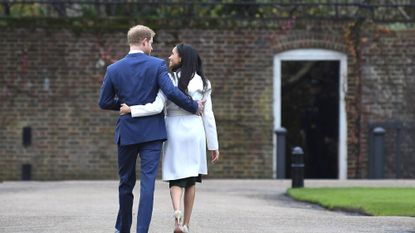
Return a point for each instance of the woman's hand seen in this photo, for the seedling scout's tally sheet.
(214, 154)
(124, 109)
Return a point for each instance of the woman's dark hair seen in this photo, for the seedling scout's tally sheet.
(190, 64)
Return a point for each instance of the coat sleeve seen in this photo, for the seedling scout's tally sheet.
(173, 93)
(150, 108)
(108, 99)
(209, 122)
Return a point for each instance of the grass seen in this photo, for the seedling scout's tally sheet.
(371, 201)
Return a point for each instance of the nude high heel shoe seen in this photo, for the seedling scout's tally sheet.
(185, 229)
(178, 217)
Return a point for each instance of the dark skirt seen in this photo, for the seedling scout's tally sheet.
(186, 182)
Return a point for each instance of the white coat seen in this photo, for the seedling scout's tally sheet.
(184, 153)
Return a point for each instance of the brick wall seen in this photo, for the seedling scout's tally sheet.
(387, 95)
(50, 80)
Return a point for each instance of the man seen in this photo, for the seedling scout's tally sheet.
(133, 80)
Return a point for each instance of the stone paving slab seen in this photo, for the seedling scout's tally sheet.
(222, 206)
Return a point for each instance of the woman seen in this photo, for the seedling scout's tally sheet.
(184, 160)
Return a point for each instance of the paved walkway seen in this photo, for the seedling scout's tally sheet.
(222, 206)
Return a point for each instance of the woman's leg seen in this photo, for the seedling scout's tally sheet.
(189, 198)
(176, 196)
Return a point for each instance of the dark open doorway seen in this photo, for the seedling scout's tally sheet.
(310, 113)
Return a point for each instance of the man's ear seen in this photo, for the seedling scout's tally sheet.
(144, 41)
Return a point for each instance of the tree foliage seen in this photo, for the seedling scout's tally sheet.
(380, 10)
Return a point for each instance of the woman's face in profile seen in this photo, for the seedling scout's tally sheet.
(174, 59)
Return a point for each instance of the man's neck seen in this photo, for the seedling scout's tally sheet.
(135, 48)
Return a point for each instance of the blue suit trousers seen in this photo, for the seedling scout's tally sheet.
(149, 153)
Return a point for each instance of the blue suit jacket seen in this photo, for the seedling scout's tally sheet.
(133, 80)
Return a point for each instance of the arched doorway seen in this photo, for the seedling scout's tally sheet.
(309, 97)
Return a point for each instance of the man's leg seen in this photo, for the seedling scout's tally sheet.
(127, 157)
(150, 157)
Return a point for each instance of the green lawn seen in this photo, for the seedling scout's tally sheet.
(372, 201)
